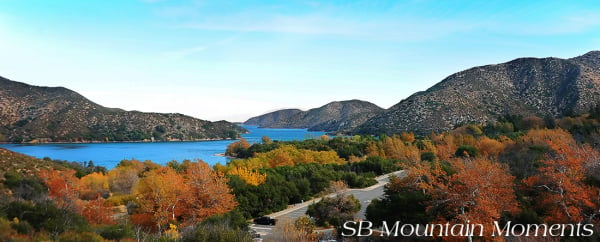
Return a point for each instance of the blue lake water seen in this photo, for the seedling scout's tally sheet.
(110, 154)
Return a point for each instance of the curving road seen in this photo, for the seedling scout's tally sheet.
(364, 195)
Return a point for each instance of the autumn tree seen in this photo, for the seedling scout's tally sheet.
(285, 155)
(525, 154)
(93, 184)
(480, 191)
(295, 231)
(208, 193)
(489, 146)
(564, 194)
(97, 212)
(427, 145)
(396, 148)
(63, 188)
(407, 137)
(445, 145)
(305, 225)
(266, 140)
(251, 177)
(160, 196)
(236, 147)
(122, 179)
(136, 165)
(540, 137)
(336, 187)
(373, 149)
(475, 190)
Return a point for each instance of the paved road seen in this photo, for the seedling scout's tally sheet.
(364, 195)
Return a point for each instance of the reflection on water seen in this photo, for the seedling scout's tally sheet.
(109, 154)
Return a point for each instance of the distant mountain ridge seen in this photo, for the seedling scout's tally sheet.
(56, 114)
(332, 117)
(545, 87)
(272, 118)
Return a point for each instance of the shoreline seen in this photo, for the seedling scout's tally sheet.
(224, 155)
(112, 142)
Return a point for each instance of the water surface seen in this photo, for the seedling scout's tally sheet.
(110, 154)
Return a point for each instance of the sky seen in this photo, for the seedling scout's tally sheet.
(232, 60)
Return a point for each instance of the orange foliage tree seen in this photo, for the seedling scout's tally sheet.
(374, 149)
(165, 196)
(445, 145)
(474, 190)
(561, 181)
(479, 191)
(490, 147)
(542, 136)
(407, 137)
(208, 193)
(97, 212)
(160, 193)
(234, 148)
(395, 147)
(63, 188)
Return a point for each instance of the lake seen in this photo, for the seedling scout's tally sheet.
(110, 154)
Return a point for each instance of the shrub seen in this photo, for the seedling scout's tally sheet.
(466, 151)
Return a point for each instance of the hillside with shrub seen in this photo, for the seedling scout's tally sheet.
(57, 114)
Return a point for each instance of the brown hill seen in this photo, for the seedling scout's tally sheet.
(332, 117)
(56, 114)
(272, 118)
(546, 87)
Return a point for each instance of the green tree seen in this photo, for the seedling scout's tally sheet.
(334, 211)
(466, 151)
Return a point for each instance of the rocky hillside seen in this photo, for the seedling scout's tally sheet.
(332, 117)
(56, 114)
(272, 118)
(547, 87)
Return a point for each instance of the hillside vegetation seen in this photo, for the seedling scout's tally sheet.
(546, 87)
(332, 117)
(56, 114)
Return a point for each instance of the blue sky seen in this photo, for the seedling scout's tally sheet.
(236, 59)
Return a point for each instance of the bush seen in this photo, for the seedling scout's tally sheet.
(116, 232)
(117, 200)
(216, 233)
(73, 236)
(231, 226)
(24, 187)
(46, 216)
(333, 211)
(407, 204)
(22, 227)
(428, 156)
(466, 151)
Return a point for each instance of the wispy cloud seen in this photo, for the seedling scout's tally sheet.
(559, 25)
(151, 1)
(318, 24)
(185, 52)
